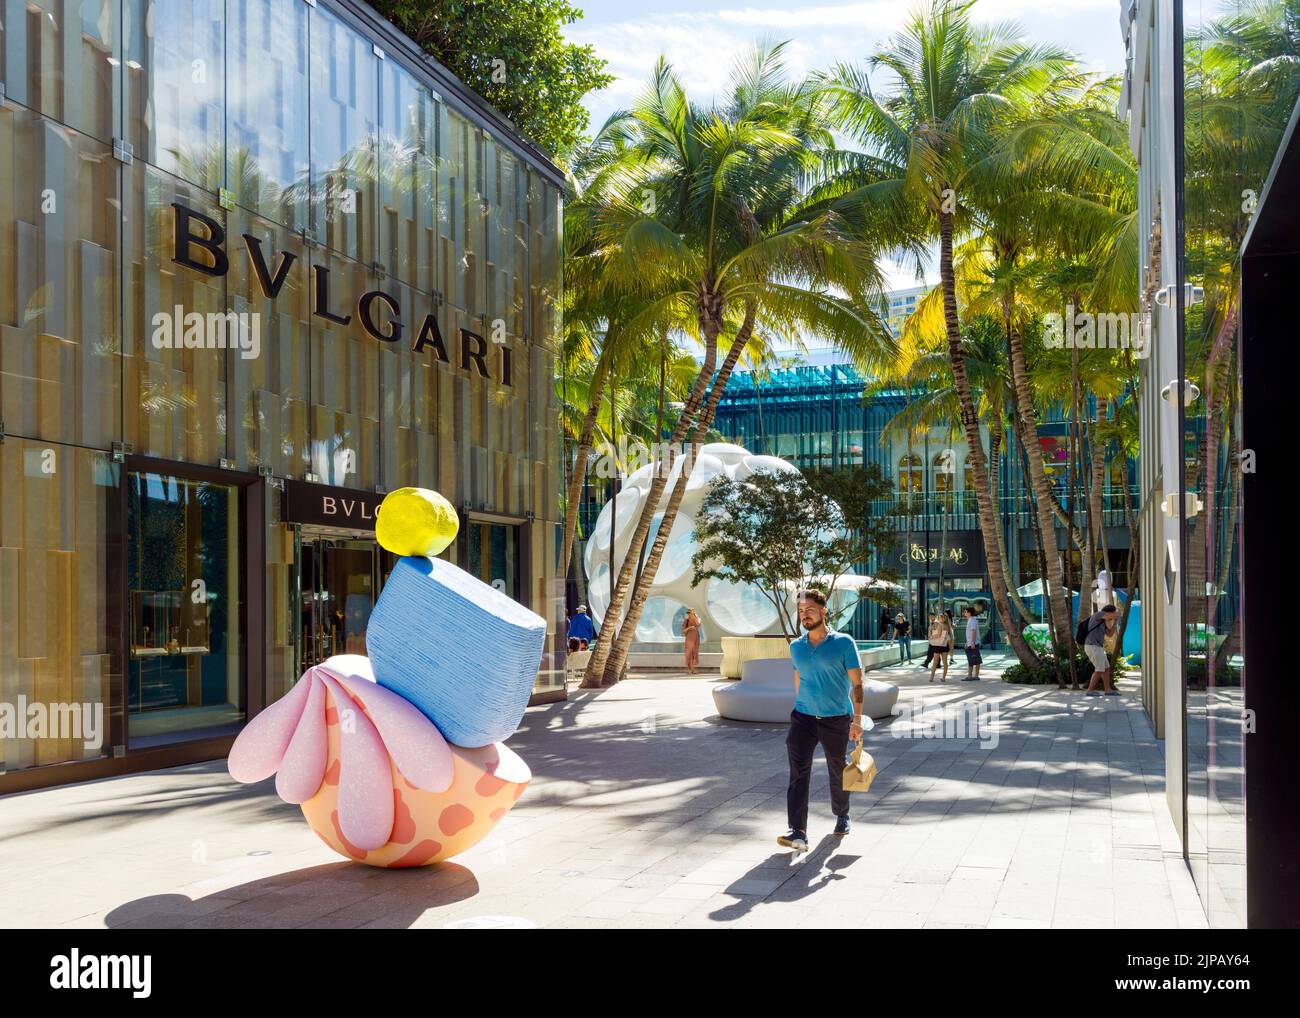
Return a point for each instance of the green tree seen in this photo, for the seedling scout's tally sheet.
(719, 202)
(777, 533)
(513, 53)
(955, 88)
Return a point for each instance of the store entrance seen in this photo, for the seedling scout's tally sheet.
(338, 581)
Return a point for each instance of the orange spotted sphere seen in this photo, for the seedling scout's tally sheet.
(428, 827)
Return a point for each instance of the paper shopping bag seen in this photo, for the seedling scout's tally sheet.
(860, 771)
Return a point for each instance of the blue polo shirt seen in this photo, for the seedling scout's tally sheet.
(824, 674)
(580, 626)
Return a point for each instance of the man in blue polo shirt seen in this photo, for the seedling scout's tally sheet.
(827, 710)
(580, 626)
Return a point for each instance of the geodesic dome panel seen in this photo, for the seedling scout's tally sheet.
(751, 465)
(661, 620)
(598, 591)
(678, 552)
(740, 609)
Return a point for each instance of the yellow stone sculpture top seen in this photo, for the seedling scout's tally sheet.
(415, 521)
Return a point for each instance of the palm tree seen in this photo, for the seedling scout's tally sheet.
(736, 227)
(956, 86)
(609, 320)
(937, 404)
(1059, 210)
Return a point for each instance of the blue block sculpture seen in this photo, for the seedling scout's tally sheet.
(460, 650)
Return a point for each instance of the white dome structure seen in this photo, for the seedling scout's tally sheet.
(725, 608)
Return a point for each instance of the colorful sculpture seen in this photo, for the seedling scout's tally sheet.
(397, 759)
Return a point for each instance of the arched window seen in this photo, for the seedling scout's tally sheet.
(910, 479)
(968, 486)
(944, 465)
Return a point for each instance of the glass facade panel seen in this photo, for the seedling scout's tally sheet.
(59, 245)
(61, 59)
(344, 137)
(174, 383)
(174, 82)
(270, 392)
(407, 178)
(267, 153)
(60, 621)
(344, 415)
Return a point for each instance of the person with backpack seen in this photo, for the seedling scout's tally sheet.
(1099, 636)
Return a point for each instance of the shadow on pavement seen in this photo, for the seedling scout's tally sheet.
(336, 895)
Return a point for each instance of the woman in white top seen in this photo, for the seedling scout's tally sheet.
(940, 639)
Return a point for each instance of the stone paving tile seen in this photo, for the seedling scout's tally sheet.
(1062, 823)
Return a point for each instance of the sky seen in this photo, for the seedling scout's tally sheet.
(701, 41)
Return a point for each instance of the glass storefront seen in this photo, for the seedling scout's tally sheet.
(1240, 88)
(186, 611)
(295, 134)
(491, 553)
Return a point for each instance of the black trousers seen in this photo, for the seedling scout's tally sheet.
(801, 742)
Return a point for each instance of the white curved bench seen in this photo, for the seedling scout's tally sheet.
(765, 692)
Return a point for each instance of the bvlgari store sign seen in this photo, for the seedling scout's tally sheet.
(323, 505)
(198, 244)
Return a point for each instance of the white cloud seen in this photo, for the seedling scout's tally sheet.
(702, 44)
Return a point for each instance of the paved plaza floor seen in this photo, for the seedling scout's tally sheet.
(647, 809)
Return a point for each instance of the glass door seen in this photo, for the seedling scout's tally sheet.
(336, 593)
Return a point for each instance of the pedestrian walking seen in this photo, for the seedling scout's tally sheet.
(939, 638)
(973, 657)
(827, 711)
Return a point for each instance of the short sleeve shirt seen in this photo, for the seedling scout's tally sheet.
(824, 686)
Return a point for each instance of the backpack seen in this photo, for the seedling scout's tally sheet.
(1081, 632)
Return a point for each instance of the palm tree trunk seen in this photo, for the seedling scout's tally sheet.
(1096, 490)
(627, 632)
(1082, 458)
(573, 497)
(975, 455)
(709, 311)
(995, 451)
(1058, 597)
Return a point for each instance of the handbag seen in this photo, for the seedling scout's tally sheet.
(860, 771)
